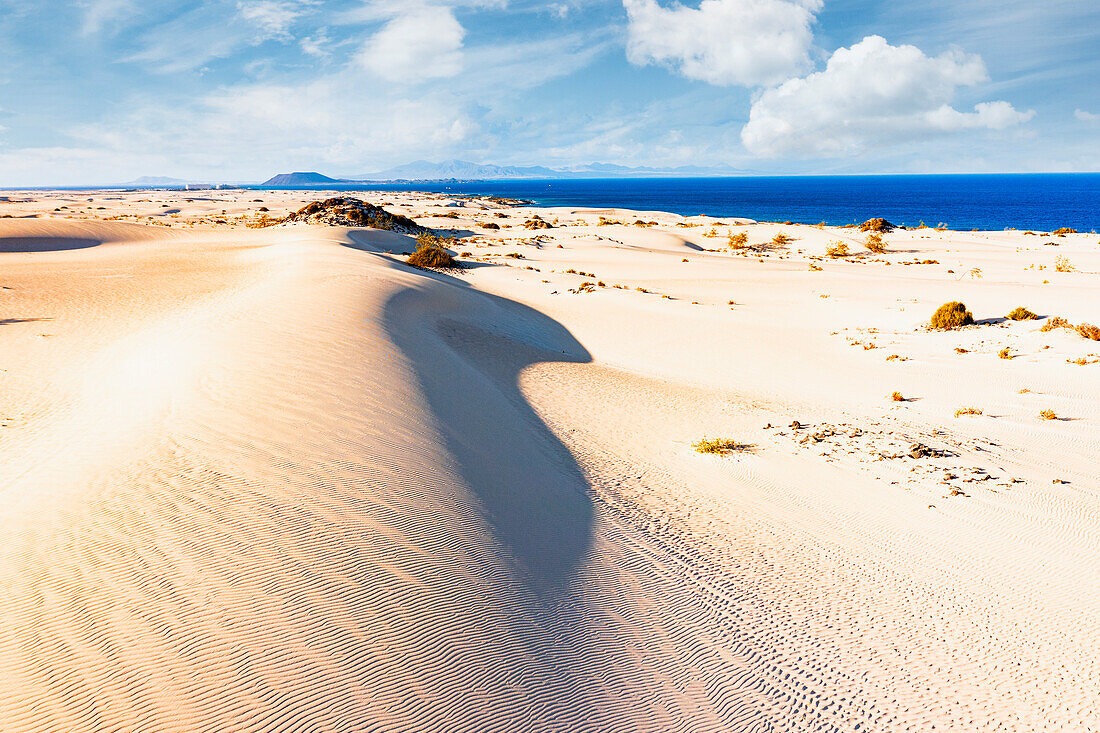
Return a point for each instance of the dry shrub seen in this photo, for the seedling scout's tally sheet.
(1005, 353)
(1021, 314)
(837, 249)
(1062, 264)
(1055, 322)
(1048, 415)
(952, 315)
(897, 397)
(430, 253)
(718, 446)
(490, 225)
(874, 243)
(1064, 230)
(738, 240)
(781, 240)
(537, 222)
(1089, 331)
(967, 411)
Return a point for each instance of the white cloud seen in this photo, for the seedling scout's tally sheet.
(871, 94)
(270, 18)
(1084, 116)
(724, 42)
(420, 42)
(99, 13)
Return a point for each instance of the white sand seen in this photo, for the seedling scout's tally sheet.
(260, 479)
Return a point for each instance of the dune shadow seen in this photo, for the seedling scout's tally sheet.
(9, 321)
(45, 244)
(533, 493)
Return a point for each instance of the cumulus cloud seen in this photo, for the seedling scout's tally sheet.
(1084, 116)
(724, 42)
(420, 42)
(871, 94)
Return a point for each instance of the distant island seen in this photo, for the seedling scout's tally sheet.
(423, 170)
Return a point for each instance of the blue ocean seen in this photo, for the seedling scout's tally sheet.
(1022, 201)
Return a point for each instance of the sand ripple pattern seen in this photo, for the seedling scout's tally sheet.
(265, 512)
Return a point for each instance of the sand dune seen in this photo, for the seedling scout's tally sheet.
(274, 479)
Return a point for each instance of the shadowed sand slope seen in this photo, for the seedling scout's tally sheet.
(297, 488)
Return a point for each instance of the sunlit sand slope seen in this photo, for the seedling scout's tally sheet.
(280, 483)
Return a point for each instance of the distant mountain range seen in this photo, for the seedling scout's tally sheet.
(423, 170)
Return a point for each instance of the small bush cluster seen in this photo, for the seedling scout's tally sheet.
(431, 254)
(718, 446)
(1021, 314)
(537, 222)
(1089, 331)
(1055, 322)
(878, 225)
(1062, 264)
(952, 315)
(738, 240)
(875, 244)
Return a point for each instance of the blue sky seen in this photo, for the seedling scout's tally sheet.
(96, 91)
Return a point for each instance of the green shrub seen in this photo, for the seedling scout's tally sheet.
(951, 315)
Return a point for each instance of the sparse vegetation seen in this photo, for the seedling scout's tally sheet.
(1005, 353)
(718, 446)
(738, 240)
(781, 240)
(348, 211)
(952, 315)
(1063, 230)
(875, 244)
(897, 397)
(537, 222)
(1062, 264)
(967, 411)
(1021, 314)
(837, 249)
(878, 225)
(1048, 415)
(1088, 331)
(1055, 322)
(431, 254)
